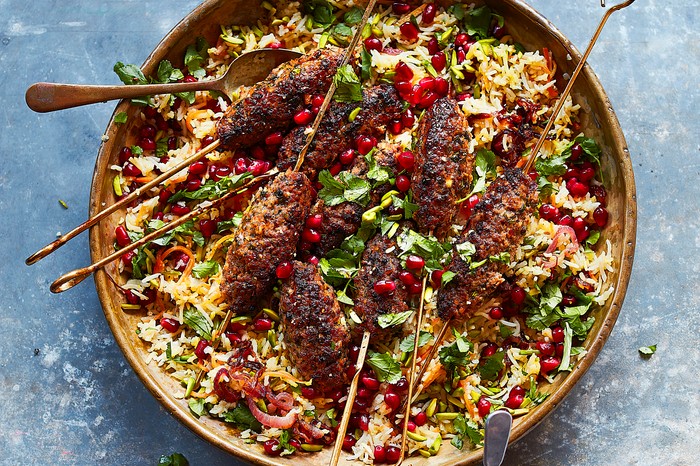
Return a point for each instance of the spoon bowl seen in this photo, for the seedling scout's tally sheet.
(246, 70)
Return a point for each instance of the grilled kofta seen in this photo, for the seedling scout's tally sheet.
(268, 235)
(342, 220)
(315, 331)
(272, 103)
(380, 105)
(497, 226)
(443, 167)
(378, 290)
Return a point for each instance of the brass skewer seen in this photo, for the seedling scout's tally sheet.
(51, 247)
(533, 155)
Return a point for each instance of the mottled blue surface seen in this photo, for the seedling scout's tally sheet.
(67, 396)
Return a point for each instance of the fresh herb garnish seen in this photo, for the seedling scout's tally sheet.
(484, 168)
(176, 459)
(197, 322)
(477, 22)
(385, 367)
(407, 343)
(346, 188)
(392, 320)
(186, 229)
(456, 354)
(242, 418)
(195, 56)
(320, 11)
(434, 253)
(212, 189)
(466, 430)
(647, 351)
(491, 366)
(130, 74)
(205, 269)
(349, 88)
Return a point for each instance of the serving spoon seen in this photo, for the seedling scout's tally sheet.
(245, 70)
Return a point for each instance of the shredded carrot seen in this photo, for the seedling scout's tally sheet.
(160, 258)
(219, 243)
(144, 179)
(473, 413)
(286, 376)
(433, 376)
(200, 395)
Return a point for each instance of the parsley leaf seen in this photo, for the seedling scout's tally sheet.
(376, 172)
(407, 343)
(197, 406)
(428, 247)
(226, 225)
(365, 64)
(186, 229)
(321, 11)
(353, 16)
(466, 430)
(241, 417)
(456, 354)
(212, 189)
(349, 88)
(590, 148)
(346, 188)
(647, 351)
(491, 366)
(130, 74)
(195, 56)
(120, 118)
(197, 322)
(205, 269)
(484, 168)
(167, 73)
(176, 459)
(477, 22)
(385, 367)
(555, 165)
(391, 320)
(409, 208)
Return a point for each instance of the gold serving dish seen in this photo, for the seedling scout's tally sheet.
(599, 122)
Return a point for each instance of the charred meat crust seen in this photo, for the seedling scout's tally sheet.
(315, 331)
(268, 235)
(443, 167)
(378, 264)
(273, 102)
(497, 225)
(380, 105)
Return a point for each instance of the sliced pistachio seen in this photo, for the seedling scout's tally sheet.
(130, 307)
(432, 406)
(435, 447)
(416, 437)
(354, 114)
(446, 416)
(311, 448)
(424, 453)
(272, 314)
(190, 386)
(116, 184)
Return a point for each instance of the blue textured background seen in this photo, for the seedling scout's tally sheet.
(76, 401)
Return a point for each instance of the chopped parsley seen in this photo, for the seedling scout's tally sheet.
(385, 367)
(345, 188)
(197, 322)
(348, 86)
(456, 354)
(647, 351)
(392, 320)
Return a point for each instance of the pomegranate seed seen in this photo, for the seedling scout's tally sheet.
(347, 157)
(403, 72)
(566, 220)
(427, 83)
(568, 300)
(600, 216)
(147, 144)
(304, 117)
(401, 386)
(576, 152)
(308, 392)
(354, 352)
(284, 270)
(549, 212)
(295, 443)
(313, 260)
(311, 235)
(122, 236)
(262, 324)
(517, 295)
(147, 131)
(483, 406)
(276, 45)
(498, 31)
(348, 442)
(461, 40)
(416, 288)
(180, 209)
(396, 127)
(384, 287)
(576, 188)
(545, 348)
(193, 185)
(172, 143)
(236, 326)
(514, 401)
(131, 298)
(600, 194)
(559, 349)
(393, 454)
(489, 350)
(439, 61)
(258, 153)
(199, 350)
(406, 160)
(428, 15)
(421, 418)
(370, 382)
(274, 139)
(124, 155)
(587, 174)
(392, 400)
(408, 119)
(372, 43)
(149, 112)
(170, 325)
(181, 262)
(335, 169)
(221, 172)
(131, 170)
(583, 234)
(365, 144)
(428, 99)
(401, 8)
(240, 166)
(317, 101)
(496, 313)
(436, 278)
(258, 167)
(337, 395)
(403, 87)
(518, 391)
(411, 426)
(433, 46)
(403, 184)
(407, 278)
(557, 335)
(314, 221)
(379, 454)
(442, 87)
(363, 422)
(461, 56)
(190, 79)
(207, 227)
(578, 224)
(127, 258)
(548, 364)
(571, 173)
(272, 447)
(414, 262)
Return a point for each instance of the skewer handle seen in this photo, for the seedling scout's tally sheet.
(48, 97)
(51, 247)
(344, 421)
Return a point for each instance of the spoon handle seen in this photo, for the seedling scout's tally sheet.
(498, 425)
(47, 97)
